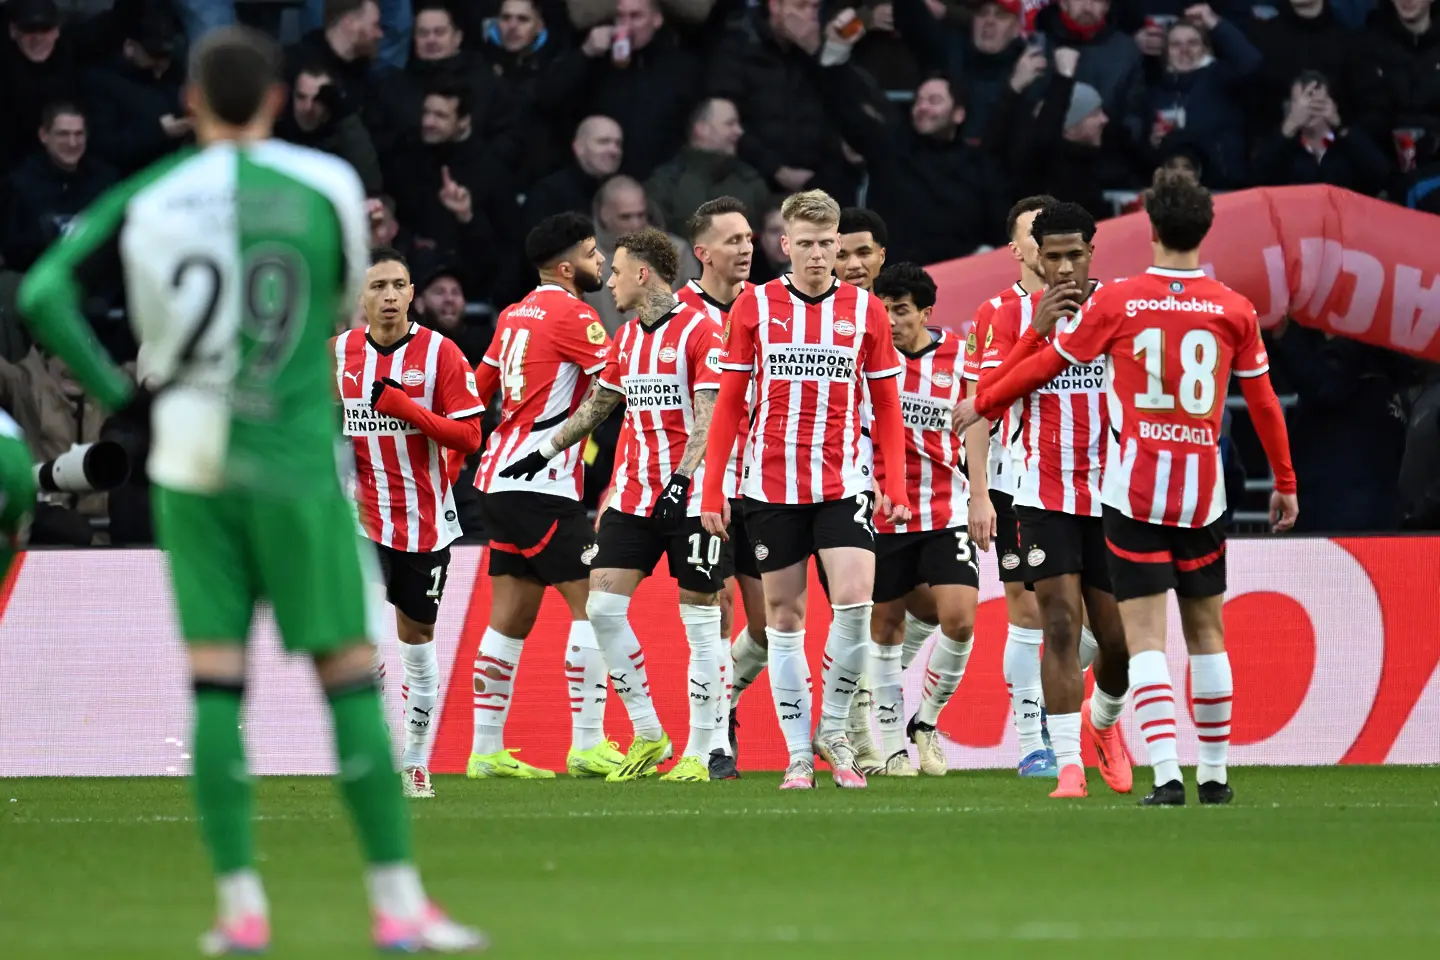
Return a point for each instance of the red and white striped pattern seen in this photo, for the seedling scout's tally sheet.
(494, 682)
(807, 357)
(693, 295)
(658, 371)
(1172, 337)
(546, 347)
(1063, 426)
(402, 478)
(1155, 714)
(1212, 717)
(1001, 466)
(575, 683)
(936, 487)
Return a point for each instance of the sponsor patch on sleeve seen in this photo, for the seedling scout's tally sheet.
(595, 333)
(470, 383)
(970, 344)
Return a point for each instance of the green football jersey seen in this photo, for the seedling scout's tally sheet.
(238, 261)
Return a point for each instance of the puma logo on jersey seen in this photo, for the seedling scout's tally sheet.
(784, 324)
(353, 376)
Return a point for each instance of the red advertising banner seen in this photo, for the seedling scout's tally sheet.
(1333, 644)
(1328, 258)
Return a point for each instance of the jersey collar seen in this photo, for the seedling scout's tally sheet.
(662, 321)
(386, 351)
(699, 291)
(936, 338)
(794, 292)
(1177, 274)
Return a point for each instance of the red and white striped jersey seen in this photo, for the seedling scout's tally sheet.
(402, 477)
(1001, 466)
(658, 371)
(807, 357)
(1173, 337)
(1060, 455)
(546, 347)
(930, 387)
(694, 295)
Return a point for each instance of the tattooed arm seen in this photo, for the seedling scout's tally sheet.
(704, 402)
(590, 414)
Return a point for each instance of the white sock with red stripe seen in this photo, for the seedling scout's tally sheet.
(589, 687)
(1065, 739)
(887, 681)
(749, 659)
(702, 629)
(377, 663)
(843, 663)
(720, 736)
(790, 686)
(916, 633)
(1022, 679)
(421, 690)
(609, 615)
(1154, 700)
(943, 673)
(495, 667)
(1212, 689)
(1089, 648)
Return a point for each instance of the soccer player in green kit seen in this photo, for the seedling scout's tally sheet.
(239, 257)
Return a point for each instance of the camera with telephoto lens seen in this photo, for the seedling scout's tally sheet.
(86, 468)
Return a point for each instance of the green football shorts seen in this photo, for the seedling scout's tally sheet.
(303, 554)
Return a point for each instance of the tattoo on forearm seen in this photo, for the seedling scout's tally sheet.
(591, 412)
(704, 403)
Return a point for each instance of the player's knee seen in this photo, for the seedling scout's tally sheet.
(1061, 626)
(607, 611)
(346, 668)
(885, 620)
(958, 625)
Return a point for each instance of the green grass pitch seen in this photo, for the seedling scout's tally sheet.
(1337, 862)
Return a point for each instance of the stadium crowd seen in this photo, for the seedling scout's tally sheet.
(469, 122)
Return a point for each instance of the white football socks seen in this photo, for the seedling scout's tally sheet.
(1212, 689)
(916, 633)
(750, 659)
(1089, 649)
(843, 663)
(790, 686)
(725, 667)
(1154, 700)
(395, 890)
(1104, 709)
(239, 895)
(589, 686)
(702, 629)
(1022, 677)
(495, 666)
(421, 689)
(943, 673)
(1065, 739)
(609, 615)
(888, 688)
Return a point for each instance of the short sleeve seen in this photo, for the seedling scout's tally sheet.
(979, 330)
(582, 340)
(737, 340)
(1089, 335)
(1000, 335)
(610, 376)
(703, 355)
(1251, 360)
(456, 394)
(880, 359)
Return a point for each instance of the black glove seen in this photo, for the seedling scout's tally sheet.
(526, 467)
(674, 502)
(378, 387)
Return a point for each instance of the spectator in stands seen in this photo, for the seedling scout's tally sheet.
(133, 98)
(941, 197)
(202, 16)
(770, 229)
(440, 61)
(763, 65)
(52, 185)
(621, 207)
(1419, 481)
(1402, 50)
(1109, 62)
(1302, 35)
(345, 47)
(1059, 149)
(981, 58)
(1148, 21)
(707, 167)
(440, 305)
(598, 150)
(321, 117)
(518, 49)
(42, 62)
(1313, 146)
(1208, 61)
(450, 190)
(635, 72)
(393, 21)
(1347, 401)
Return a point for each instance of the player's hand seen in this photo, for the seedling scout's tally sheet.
(1062, 300)
(377, 391)
(1284, 509)
(526, 467)
(964, 417)
(982, 522)
(895, 512)
(717, 524)
(674, 502)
